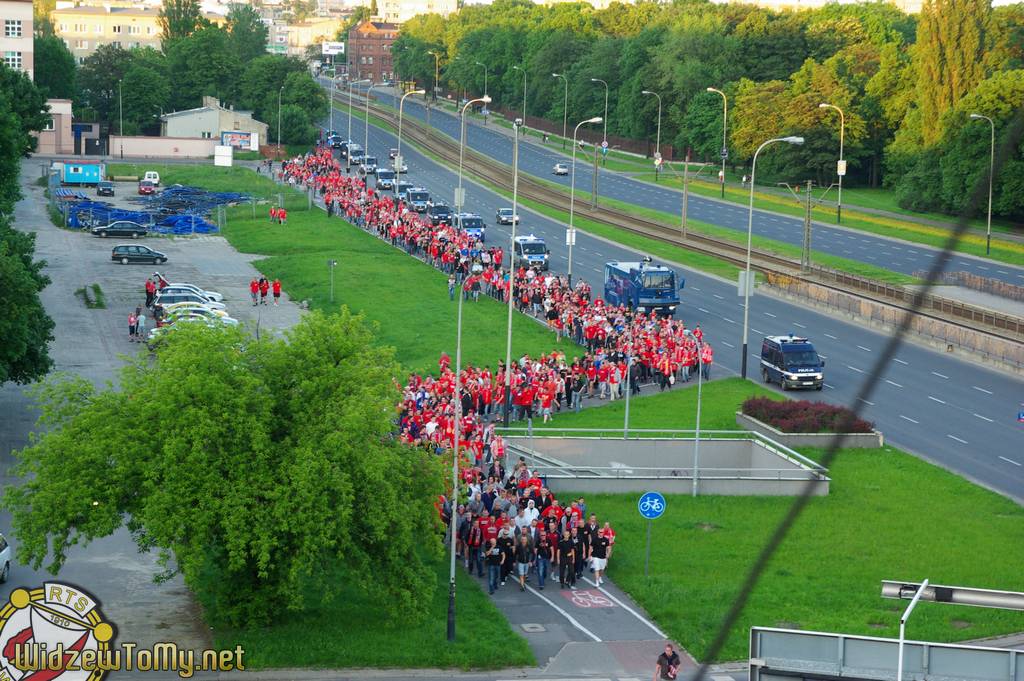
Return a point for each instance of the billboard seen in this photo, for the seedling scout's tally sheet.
(222, 156)
(236, 139)
(331, 49)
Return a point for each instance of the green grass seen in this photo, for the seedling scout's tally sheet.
(92, 296)
(889, 515)
(344, 633)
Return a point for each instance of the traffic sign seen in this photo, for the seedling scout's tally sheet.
(604, 145)
(657, 156)
(841, 168)
(651, 505)
(724, 153)
(570, 237)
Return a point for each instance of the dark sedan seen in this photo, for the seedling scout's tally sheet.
(105, 188)
(130, 253)
(120, 228)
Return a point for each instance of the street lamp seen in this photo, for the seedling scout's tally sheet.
(700, 379)
(454, 501)
(349, 137)
(565, 107)
(366, 132)
(657, 144)
(991, 172)
(462, 151)
(279, 93)
(841, 166)
(725, 120)
(903, 624)
(750, 231)
(604, 135)
(437, 67)
(571, 235)
(120, 116)
(516, 68)
(485, 76)
(398, 152)
(512, 269)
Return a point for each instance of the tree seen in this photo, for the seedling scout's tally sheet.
(54, 71)
(262, 79)
(301, 90)
(202, 64)
(97, 82)
(146, 92)
(296, 126)
(248, 32)
(24, 324)
(180, 19)
(271, 475)
(27, 102)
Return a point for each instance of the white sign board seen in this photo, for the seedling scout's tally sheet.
(222, 155)
(841, 168)
(745, 285)
(460, 197)
(570, 237)
(254, 142)
(331, 49)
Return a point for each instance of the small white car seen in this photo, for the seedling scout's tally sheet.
(212, 295)
(152, 176)
(180, 308)
(167, 296)
(5, 559)
(560, 169)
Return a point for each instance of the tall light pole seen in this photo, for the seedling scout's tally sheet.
(750, 231)
(991, 171)
(279, 93)
(398, 151)
(517, 68)
(725, 121)
(459, 197)
(120, 116)
(700, 378)
(348, 139)
(366, 132)
(903, 624)
(454, 501)
(437, 67)
(485, 76)
(841, 165)
(657, 144)
(512, 270)
(571, 234)
(604, 135)
(333, 77)
(565, 108)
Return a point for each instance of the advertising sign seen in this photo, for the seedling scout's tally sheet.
(331, 49)
(236, 139)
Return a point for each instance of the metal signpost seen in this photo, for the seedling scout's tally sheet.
(651, 506)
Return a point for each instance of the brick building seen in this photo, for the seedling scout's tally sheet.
(369, 51)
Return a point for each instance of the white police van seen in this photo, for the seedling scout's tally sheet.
(530, 251)
(792, 362)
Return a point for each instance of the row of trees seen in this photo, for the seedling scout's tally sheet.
(24, 325)
(899, 79)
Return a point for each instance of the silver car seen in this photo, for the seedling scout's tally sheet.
(560, 169)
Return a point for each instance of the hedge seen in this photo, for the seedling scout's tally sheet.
(804, 416)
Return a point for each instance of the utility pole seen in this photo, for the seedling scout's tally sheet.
(805, 257)
(686, 189)
(593, 189)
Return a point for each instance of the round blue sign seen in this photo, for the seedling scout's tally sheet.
(651, 505)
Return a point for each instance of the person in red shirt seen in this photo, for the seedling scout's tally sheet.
(264, 287)
(276, 287)
(150, 292)
(254, 290)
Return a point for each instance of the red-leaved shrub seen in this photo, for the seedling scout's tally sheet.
(805, 416)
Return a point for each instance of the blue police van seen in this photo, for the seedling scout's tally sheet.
(792, 362)
(642, 286)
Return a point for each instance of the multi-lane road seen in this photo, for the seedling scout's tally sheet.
(953, 412)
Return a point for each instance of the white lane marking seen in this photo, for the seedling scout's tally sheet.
(987, 392)
(799, 324)
(827, 385)
(703, 310)
(1002, 271)
(859, 371)
(936, 373)
(907, 418)
(628, 609)
(596, 269)
(864, 348)
(900, 361)
(694, 288)
(572, 620)
(982, 267)
(728, 344)
(984, 418)
(717, 296)
(769, 314)
(893, 383)
(936, 399)
(870, 404)
(954, 437)
(756, 330)
(828, 335)
(1009, 461)
(729, 320)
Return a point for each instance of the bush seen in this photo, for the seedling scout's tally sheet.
(805, 416)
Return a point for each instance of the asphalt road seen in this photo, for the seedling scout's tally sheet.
(891, 254)
(955, 413)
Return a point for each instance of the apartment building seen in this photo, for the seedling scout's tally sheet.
(16, 39)
(399, 11)
(369, 50)
(294, 38)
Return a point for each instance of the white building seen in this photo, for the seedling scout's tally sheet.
(16, 39)
(210, 121)
(399, 11)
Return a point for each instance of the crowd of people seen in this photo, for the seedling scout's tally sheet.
(624, 350)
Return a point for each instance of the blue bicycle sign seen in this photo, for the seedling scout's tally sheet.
(651, 505)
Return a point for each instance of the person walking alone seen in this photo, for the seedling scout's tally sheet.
(668, 664)
(276, 288)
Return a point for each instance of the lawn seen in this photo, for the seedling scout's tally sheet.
(889, 515)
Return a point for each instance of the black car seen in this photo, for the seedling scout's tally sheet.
(440, 214)
(105, 188)
(128, 253)
(120, 228)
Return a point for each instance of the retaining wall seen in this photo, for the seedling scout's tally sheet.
(872, 440)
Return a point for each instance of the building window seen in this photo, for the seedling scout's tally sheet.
(63, 28)
(117, 29)
(149, 30)
(12, 59)
(49, 124)
(206, 135)
(80, 28)
(81, 44)
(133, 30)
(117, 44)
(362, 60)
(369, 60)
(12, 28)
(81, 60)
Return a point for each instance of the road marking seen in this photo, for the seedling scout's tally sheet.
(703, 310)
(936, 399)
(893, 383)
(870, 404)
(864, 348)
(717, 296)
(799, 324)
(900, 361)
(628, 609)
(859, 371)
(1009, 461)
(984, 418)
(982, 267)
(729, 320)
(1002, 271)
(728, 344)
(987, 392)
(563, 257)
(828, 335)
(828, 385)
(954, 437)
(572, 620)
(769, 314)
(907, 418)
(936, 373)
(694, 288)
(756, 330)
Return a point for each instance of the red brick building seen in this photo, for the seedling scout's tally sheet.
(369, 51)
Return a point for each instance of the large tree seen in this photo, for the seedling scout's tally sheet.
(262, 79)
(28, 104)
(180, 19)
(146, 92)
(97, 82)
(202, 64)
(54, 70)
(270, 476)
(248, 32)
(24, 324)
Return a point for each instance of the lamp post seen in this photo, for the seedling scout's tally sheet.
(454, 501)
(349, 137)
(991, 171)
(511, 270)
(485, 76)
(437, 62)
(700, 380)
(517, 68)
(750, 231)
(725, 120)
(333, 77)
(462, 151)
(120, 116)
(903, 624)
(604, 135)
(279, 93)
(398, 151)
(565, 108)
(366, 132)
(841, 166)
(657, 144)
(571, 234)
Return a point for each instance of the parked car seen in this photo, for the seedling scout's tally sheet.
(504, 216)
(169, 295)
(440, 214)
(105, 188)
(120, 228)
(129, 253)
(212, 295)
(204, 312)
(152, 176)
(560, 169)
(189, 306)
(146, 187)
(5, 559)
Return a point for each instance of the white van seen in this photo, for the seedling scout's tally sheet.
(152, 176)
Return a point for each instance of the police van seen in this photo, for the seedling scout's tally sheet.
(530, 251)
(792, 362)
(642, 286)
(473, 225)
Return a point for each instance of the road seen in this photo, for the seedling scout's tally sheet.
(957, 414)
(892, 254)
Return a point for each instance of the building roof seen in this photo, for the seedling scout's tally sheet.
(374, 26)
(208, 105)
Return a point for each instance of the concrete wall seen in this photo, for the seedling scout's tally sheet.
(684, 485)
(872, 440)
(174, 147)
(58, 141)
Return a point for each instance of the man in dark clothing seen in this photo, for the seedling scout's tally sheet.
(668, 664)
(567, 561)
(506, 543)
(474, 543)
(494, 559)
(580, 554)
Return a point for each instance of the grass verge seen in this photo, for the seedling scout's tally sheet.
(92, 296)
(889, 515)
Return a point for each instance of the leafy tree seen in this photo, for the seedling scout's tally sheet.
(202, 64)
(270, 476)
(180, 19)
(1008, 28)
(301, 90)
(358, 16)
(27, 102)
(771, 46)
(24, 324)
(262, 79)
(97, 81)
(296, 125)
(248, 32)
(54, 67)
(146, 92)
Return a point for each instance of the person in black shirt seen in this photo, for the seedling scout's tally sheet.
(506, 544)
(599, 556)
(494, 558)
(567, 561)
(668, 664)
(588, 533)
(580, 554)
(524, 558)
(542, 557)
